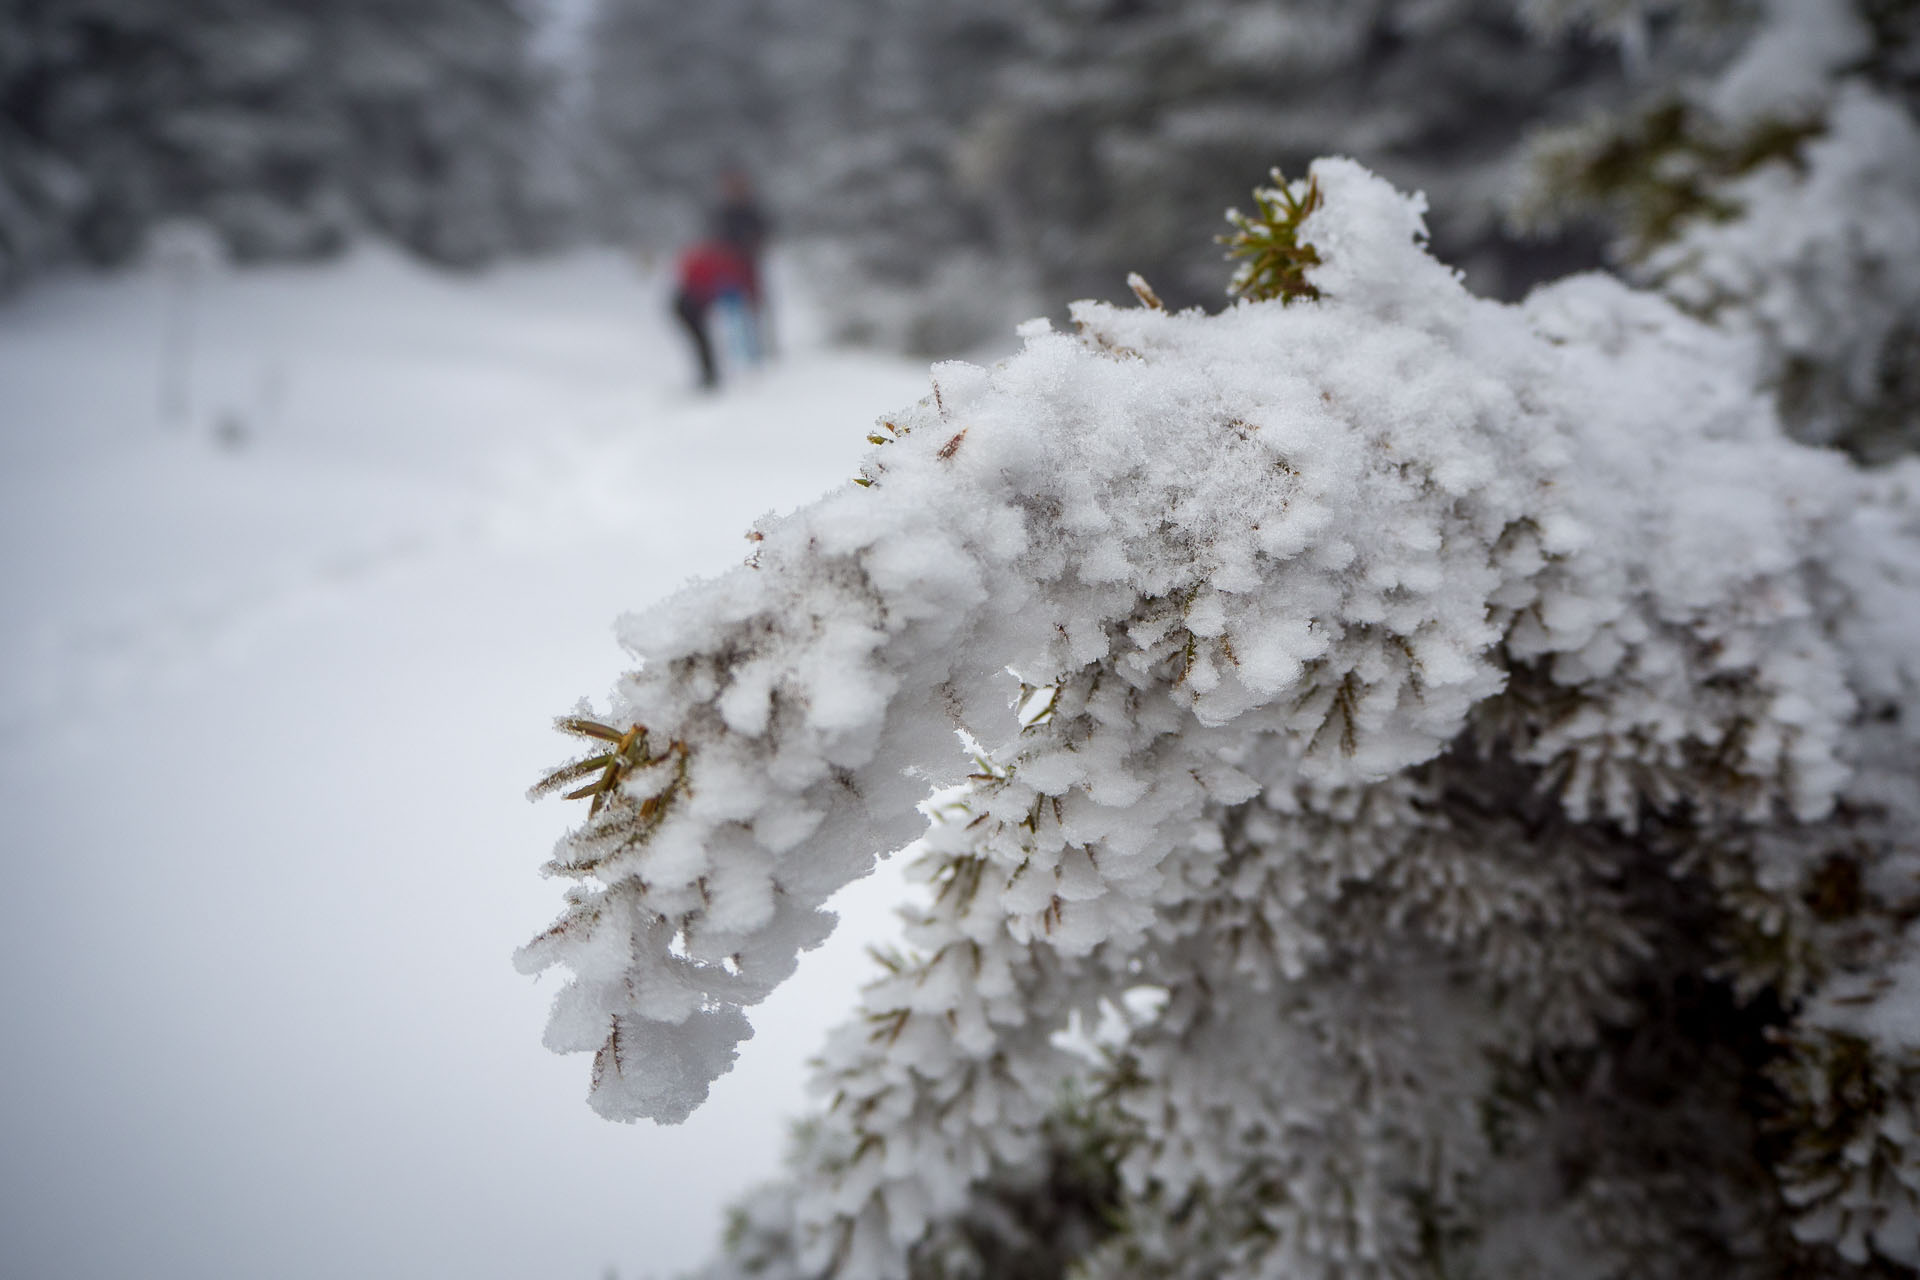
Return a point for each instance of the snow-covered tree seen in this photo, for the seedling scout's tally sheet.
(1115, 129)
(1455, 761)
(285, 127)
(1411, 785)
(441, 101)
(1768, 178)
(679, 93)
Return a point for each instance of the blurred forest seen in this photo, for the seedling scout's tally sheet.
(286, 126)
(968, 164)
(948, 169)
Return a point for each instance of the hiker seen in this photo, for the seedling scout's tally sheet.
(712, 274)
(739, 220)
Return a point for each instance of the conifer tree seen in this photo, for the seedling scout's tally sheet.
(678, 94)
(286, 127)
(1779, 194)
(1459, 746)
(1421, 786)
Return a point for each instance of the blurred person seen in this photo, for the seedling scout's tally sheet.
(739, 220)
(713, 274)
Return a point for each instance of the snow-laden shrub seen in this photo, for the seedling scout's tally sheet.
(1465, 749)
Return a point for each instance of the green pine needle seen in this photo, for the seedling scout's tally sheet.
(1273, 260)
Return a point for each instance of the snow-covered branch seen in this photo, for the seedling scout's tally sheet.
(1336, 670)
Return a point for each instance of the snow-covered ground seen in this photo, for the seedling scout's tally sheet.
(293, 589)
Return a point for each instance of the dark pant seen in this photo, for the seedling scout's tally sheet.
(693, 317)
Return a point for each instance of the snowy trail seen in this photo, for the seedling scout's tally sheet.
(267, 716)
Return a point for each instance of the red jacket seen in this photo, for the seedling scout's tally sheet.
(712, 269)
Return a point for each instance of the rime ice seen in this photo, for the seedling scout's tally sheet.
(1309, 590)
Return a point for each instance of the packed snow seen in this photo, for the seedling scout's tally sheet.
(299, 565)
